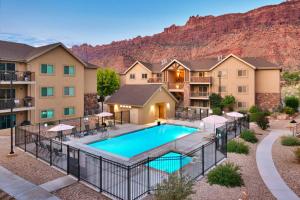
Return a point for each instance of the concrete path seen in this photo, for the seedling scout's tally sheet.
(267, 169)
(58, 183)
(21, 189)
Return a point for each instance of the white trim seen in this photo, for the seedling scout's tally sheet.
(134, 64)
(232, 55)
(174, 60)
(161, 87)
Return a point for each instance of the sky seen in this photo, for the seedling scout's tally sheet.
(96, 22)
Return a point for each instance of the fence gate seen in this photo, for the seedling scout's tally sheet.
(73, 162)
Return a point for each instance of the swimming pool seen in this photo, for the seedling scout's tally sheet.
(170, 162)
(134, 143)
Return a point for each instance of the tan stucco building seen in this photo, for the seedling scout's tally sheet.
(252, 81)
(49, 83)
(145, 102)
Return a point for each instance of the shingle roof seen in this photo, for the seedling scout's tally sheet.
(12, 51)
(154, 67)
(260, 62)
(135, 95)
(200, 64)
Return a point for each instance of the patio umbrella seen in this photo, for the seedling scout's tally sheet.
(60, 128)
(216, 120)
(235, 114)
(104, 114)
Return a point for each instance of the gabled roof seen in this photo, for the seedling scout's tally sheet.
(12, 51)
(175, 60)
(136, 95)
(152, 67)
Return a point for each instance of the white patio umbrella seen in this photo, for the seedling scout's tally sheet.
(105, 114)
(60, 127)
(235, 114)
(215, 120)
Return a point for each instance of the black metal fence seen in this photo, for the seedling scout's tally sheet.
(191, 114)
(132, 181)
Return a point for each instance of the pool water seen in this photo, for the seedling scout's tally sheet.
(170, 162)
(134, 143)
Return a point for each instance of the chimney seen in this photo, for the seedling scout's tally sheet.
(220, 58)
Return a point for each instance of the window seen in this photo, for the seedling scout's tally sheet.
(144, 76)
(242, 73)
(69, 91)
(242, 104)
(132, 76)
(159, 75)
(242, 89)
(222, 73)
(7, 67)
(47, 91)
(69, 70)
(5, 121)
(69, 111)
(47, 114)
(47, 69)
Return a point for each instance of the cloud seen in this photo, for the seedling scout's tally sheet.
(33, 41)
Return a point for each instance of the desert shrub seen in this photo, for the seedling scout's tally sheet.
(290, 141)
(237, 147)
(297, 154)
(249, 136)
(217, 111)
(228, 102)
(288, 110)
(292, 101)
(261, 119)
(215, 100)
(291, 77)
(254, 109)
(174, 188)
(227, 174)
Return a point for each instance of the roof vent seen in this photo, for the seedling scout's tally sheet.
(163, 61)
(220, 58)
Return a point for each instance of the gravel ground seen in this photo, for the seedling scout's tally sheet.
(79, 191)
(287, 166)
(25, 165)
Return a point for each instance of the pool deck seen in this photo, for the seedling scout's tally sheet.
(182, 145)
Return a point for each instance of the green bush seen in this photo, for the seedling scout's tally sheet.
(217, 111)
(297, 154)
(215, 100)
(291, 77)
(228, 102)
(227, 174)
(260, 119)
(292, 101)
(254, 109)
(237, 147)
(290, 141)
(249, 136)
(174, 188)
(288, 110)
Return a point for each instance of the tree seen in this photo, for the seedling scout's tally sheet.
(215, 100)
(228, 102)
(109, 80)
(174, 188)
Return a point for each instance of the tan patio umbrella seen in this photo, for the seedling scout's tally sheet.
(104, 114)
(60, 128)
(215, 120)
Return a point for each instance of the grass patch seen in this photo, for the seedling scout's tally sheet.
(237, 147)
(297, 154)
(249, 136)
(290, 141)
(227, 174)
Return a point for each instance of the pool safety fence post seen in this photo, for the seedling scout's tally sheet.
(202, 154)
(36, 146)
(78, 165)
(235, 128)
(39, 132)
(121, 117)
(128, 183)
(200, 113)
(100, 174)
(180, 169)
(114, 118)
(68, 159)
(148, 174)
(226, 144)
(80, 124)
(216, 147)
(50, 152)
(25, 140)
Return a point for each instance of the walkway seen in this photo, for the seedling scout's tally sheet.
(267, 169)
(21, 189)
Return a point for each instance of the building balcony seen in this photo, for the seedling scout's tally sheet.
(176, 87)
(27, 103)
(201, 80)
(17, 77)
(199, 95)
(155, 80)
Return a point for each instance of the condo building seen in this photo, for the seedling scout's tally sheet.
(251, 80)
(48, 83)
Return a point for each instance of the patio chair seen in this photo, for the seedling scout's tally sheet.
(111, 125)
(97, 126)
(88, 131)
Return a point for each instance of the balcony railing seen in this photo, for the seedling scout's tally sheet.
(25, 76)
(154, 80)
(16, 103)
(175, 86)
(200, 94)
(198, 79)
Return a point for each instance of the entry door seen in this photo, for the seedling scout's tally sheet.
(161, 112)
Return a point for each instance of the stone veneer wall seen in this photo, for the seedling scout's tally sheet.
(186, 94)
(267, 100)
(90, 101)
